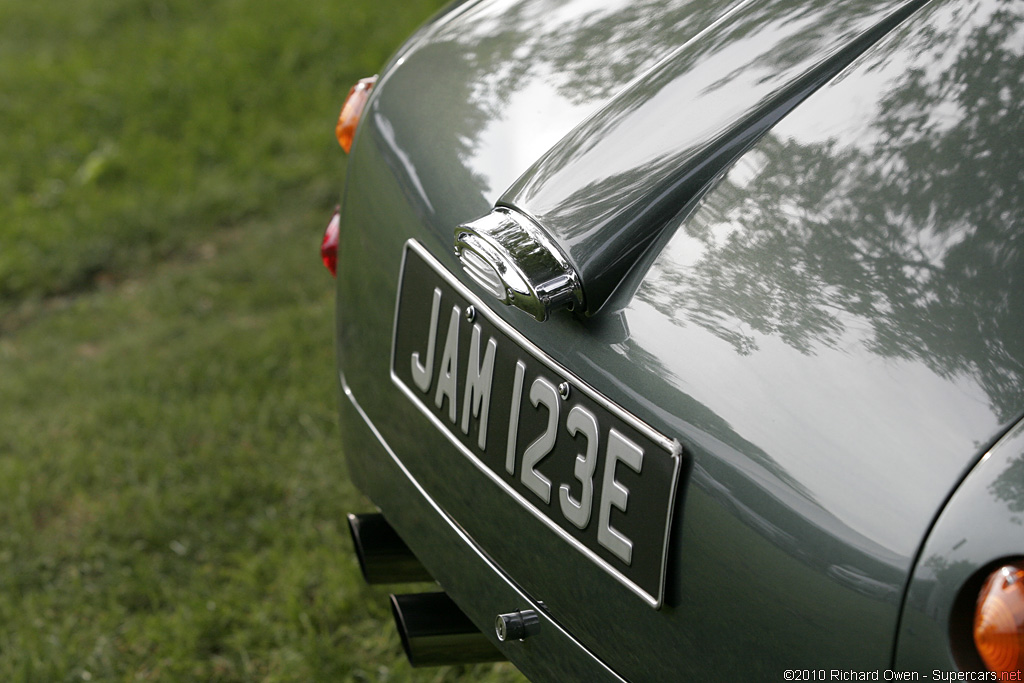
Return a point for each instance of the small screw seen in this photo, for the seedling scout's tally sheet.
(471, 314)
(563, 390)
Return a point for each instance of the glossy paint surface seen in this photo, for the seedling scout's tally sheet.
(607, 190)
(834, 334)
(980, 529)
(494, 85)
(849, 293)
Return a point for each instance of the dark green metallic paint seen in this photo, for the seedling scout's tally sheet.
(607, 190)
(834, 332)
(980, 529)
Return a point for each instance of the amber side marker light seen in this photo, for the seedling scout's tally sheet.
(348, 120)
(999, 620)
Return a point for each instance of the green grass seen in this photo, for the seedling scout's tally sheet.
(172, 495)
(134, 127)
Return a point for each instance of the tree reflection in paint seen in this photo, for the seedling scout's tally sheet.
(1009, 488)
(909, 241)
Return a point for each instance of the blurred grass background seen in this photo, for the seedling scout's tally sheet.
(172, 495)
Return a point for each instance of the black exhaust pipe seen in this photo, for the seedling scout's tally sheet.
(383, 555)
(435, 632)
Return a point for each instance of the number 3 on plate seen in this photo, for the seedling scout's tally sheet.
(579, 421)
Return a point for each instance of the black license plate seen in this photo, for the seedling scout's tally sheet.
(597, 476)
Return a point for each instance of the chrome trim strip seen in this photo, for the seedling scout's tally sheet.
(670, 446)
(469, 542)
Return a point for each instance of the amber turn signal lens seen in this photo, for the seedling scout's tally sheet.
(329, 244)
(348, 120)
(999, 620)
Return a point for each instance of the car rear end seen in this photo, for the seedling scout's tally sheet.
(722, 452)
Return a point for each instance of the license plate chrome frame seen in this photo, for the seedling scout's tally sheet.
(619, 435)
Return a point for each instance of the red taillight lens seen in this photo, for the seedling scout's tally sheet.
(329, 245)
(348, 120)
(999, 620)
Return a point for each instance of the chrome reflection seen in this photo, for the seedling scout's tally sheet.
(512, 259)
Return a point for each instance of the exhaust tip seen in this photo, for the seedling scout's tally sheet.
(435, 632)
(383, 556)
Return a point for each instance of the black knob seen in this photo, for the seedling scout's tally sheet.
(516, 625)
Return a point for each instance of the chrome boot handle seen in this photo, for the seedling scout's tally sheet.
(509, 256)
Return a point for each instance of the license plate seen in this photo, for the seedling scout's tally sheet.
(597, 476)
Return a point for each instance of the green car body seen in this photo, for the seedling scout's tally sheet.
(795, 235)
